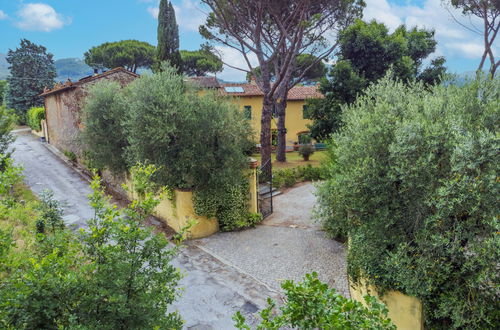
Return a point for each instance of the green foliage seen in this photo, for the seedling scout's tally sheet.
(367, 52)
(130, 54)
(310, 304)
(114, 275)
(35, 116)
(306, 150)
(288, 177)
(196, 142)
(316, 72)
(50, 214)
(413, 182)
(228, 203)
(70, 155)
(3, 87)
(200, 62)
(31, 69)
(168, 37)
(104, 137)
(6, 122)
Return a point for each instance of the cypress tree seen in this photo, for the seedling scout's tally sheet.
(168, 36)
(31, 69)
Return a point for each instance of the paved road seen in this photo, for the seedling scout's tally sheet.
(44, 171)
(212, 289)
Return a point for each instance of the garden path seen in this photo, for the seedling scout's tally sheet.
(287, 245)
(212, 290)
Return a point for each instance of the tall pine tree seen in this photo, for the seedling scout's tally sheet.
(168, 36)
(31, 69)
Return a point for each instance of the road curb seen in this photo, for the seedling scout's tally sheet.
(85, 174)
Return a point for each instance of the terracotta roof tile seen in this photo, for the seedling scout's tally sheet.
(69, 85)
(296, 93)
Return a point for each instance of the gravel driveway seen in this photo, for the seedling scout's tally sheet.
(287, 245)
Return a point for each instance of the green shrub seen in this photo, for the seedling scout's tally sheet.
(6, 122)
(310, 304)
(306, 151)
(35, 116)
(104, 137)
(310, 173)
(117, 274)
(284, 178)
(70, 155)
(413, 182)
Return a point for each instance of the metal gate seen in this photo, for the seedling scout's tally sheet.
(266, 189)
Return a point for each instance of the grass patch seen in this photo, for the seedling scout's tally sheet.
(294, 159)
(18, 215)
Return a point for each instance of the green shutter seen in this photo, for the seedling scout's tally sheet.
(305, 112)
(248, 111)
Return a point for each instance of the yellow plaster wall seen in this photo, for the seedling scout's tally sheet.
(404, 311)
(294, 122)
(177, 212)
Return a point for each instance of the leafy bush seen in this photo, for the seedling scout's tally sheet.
(306, 150)
(104, 137)
(114, 275)
(413, 182)
(6, 122)
(35, 116)
(70, 155)
(288, 177)
(309, 173)
(310, 304)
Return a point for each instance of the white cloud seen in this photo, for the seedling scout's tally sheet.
(40, 17)
(453, 40)
(3, 15)
(381, 11)
(154, 11)
(468, 49)
(188, 14)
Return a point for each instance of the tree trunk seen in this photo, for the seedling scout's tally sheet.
(281, 148)
(265, 130)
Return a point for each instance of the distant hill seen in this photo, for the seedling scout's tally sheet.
(4, 67)
(72, 68)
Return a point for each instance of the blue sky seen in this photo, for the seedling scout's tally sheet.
(70, 27)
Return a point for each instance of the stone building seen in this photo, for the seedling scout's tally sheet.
(63, 106)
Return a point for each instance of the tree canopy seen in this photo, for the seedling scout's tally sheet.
(316, 71)
(168, 36)
(130, 54)
(200, 62)
(31, 70)
(3, 86)
(367, 52)
(276, 32)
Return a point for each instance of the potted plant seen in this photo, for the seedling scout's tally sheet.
(306, 151)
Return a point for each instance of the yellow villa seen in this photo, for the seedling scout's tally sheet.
(249, 98)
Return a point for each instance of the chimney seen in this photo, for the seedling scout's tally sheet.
(252, 80)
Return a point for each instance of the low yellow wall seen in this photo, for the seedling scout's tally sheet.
(404, 311)
(177, 212)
